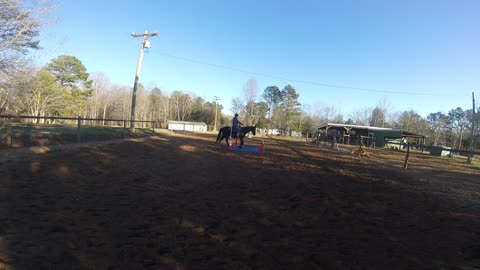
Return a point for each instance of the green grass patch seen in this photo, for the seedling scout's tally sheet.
(48, 134)
(30, 129)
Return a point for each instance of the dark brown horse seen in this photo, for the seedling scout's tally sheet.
(225, 132)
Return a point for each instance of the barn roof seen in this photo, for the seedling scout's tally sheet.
(329, 125)
(359, 127)
(412, 134)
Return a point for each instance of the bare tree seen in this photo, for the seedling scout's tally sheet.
(338, 118)
(154, 98)
(237, 106)
(278, 118)
(303, 117)
(379, 113)
(411, 121)
(378, 117)
(437, 124)
(43, 95)
(121, 97)
(97, 106)
(15, 90)
(325, 113)
(19, 30)
(6, 92)
(250, 90)
(250, 95)
(165, 108)
(457, 121)
(361, 116)
(180, 105)
(398, 120)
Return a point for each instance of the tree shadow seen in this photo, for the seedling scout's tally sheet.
(180, 202)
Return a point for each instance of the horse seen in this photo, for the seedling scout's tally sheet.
(225, 132)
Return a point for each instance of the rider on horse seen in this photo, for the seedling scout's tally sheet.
(236, 126)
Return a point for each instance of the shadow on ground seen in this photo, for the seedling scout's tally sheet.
(181, 202)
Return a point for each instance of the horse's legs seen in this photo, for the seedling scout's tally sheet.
(227, 139)
(241, 141)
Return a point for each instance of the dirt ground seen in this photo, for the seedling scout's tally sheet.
(181, 202)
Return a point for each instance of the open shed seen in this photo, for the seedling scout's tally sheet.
(187, 126)
(371, 136)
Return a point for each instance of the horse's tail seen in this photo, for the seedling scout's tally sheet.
(219, 136)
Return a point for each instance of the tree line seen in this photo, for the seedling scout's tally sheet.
(64, 88)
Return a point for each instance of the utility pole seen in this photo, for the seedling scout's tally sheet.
(472, 135)
(145, 44)
(216, 99)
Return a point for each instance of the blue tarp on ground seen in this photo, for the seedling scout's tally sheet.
(246, 148)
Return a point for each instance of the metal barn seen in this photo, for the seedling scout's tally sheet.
(187, 126)
(371, 136)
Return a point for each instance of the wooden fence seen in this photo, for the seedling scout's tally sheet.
(421, 147)
(9, 120)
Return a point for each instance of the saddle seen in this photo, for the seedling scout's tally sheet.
(236, 135)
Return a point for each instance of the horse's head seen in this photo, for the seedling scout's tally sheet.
(248, 129)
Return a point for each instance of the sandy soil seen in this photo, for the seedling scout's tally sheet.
(181, 202)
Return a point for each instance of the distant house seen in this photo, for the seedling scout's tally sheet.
(376, 136)
(187, 126)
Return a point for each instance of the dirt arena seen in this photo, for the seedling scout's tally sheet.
(181, 202)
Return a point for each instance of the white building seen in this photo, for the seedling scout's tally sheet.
(187, 126)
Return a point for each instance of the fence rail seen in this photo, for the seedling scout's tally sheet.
(430, 148)
(71, 118)
(9, 120)
(422, 147)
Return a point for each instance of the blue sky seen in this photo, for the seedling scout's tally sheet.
(429, 48)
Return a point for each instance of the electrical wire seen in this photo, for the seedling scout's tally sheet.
(299, 81)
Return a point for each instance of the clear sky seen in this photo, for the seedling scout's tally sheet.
(211, 48)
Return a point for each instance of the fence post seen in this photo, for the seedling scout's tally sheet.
(29, 131)
(153, 126)
(407, 156)
(79, 121)
(125, 129)
(9, 130)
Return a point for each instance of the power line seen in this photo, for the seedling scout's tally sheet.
(299, 81)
